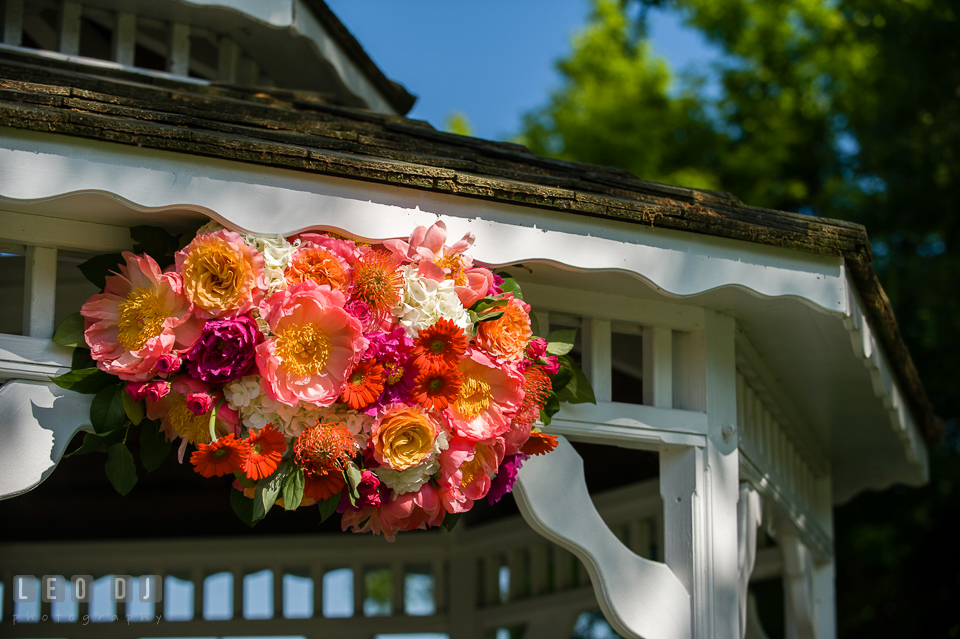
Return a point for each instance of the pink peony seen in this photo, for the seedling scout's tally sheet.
(410, 511)
(141, 316)
(466, 469)
(490, 396)
(316, 343)
(439, 262)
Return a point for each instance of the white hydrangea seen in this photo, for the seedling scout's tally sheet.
(276, 255)
(411, 479)
(247, 397)
(210, 227)
(426, 301)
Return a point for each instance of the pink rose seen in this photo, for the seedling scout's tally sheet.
(157, 390)
(137, 390)
(169, 363)
(199, 403)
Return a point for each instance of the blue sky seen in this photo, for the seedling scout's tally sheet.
(490, 59)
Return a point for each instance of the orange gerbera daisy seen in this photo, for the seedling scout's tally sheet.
(321, 487)
(539, 444)
(266, 449)
(440, 346)
(378, 281)
(226, 455)
(363, 385)
(436, 388)
(324, 449)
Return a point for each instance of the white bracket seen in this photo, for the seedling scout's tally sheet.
(640, 598)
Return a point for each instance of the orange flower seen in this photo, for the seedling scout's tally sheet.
(436, 388)
(226, 455)
(363, 385)
(266, 448)
(322, 487)
(378, 281)
(508, 335)
(320, 265)
(324, 449)
(539, 444)
(536, 392)
(440, 346)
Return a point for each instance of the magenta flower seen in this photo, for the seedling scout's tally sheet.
(225, 351)
(200, 403)
(392, 350)
(506, 477)
(137, 390)
(157, 390)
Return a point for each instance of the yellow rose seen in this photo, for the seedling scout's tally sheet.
(220, 273)
(404, 437)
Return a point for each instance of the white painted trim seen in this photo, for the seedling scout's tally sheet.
(178, 58)
(124, 43)
(597, 362)
(38, 230)
(18, 354)
(43, 167)
(13, 23)
(658, 367)
(69, 37)
(39, 291)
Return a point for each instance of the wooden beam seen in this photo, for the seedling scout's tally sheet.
(125, 39)
(658, 367)
(596, 357)
(70, 28)
(13, 23)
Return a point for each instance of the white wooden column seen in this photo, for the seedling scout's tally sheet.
(39, 291)
(70, 28)
(597, 364)
(178, 62)
(681, 487)
(125, 39)
(658, 367)
(13, 23)
(228, 61)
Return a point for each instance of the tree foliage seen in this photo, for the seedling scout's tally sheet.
(842, 108)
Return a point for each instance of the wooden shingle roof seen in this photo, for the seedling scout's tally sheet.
(311, 132)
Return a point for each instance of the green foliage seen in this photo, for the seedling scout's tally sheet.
(154, 446)
(329, 506)
(94, 443)
(88, 381)
(458, 123)
(243, 507)
(268, 490)
(81, 359)
(70, 332)
(107, 410)
(293, 489)
(121, 470)
(97, 268)
(133, 410)
(156, 242)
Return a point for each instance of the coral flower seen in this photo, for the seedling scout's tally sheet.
(378, 282)
(539, 444)
(440, 346)
(220, 274)
(226, 455)
(489, 399)
(536, 392)
(508, 335)
(466, 469)
(266, 449)
(316, 343)
(141, 316)
(363, 385)
(322, 449)
(438, 262)
(403, 437)
(321, 487)
(321, 265)
(436, 388)
(410, 511)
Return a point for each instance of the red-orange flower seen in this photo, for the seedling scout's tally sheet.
(322, 487)
(536, 392)
(378, 281)
(266, 448)
(539, 444)
(363, 385)
(226, 455)
(440, 346)
(436, 388)
(324, 449)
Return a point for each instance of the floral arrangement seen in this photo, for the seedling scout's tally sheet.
(395, 384)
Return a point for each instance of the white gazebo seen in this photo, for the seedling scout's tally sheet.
(753, 351)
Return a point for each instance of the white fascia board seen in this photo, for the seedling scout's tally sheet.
(45, 167)
(276, 13)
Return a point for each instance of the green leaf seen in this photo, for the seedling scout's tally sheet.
(98, 267)
(268, 489)
(81, 359)
(489, 317)
(154, 446)
(561, 342)
(293, 489)
(121, 471)
(70, 332)
(353, 476)
(329, 506)
(134, 410)
(564, 374)
(509, 285)
(87, 381)
(243, 507)
(551, 408)
(155, 242)
(534, 325)
(106, 410)
(450, 520)
(245, 481)
(93, 443)
(488, 303)
(578, 390)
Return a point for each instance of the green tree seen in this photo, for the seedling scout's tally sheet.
(841, 108)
